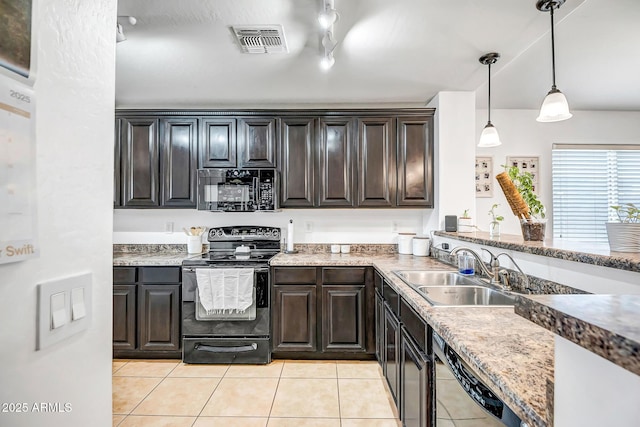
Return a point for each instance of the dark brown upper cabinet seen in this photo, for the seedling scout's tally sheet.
(415, 161)
(257, 142)
(179, 162)
(139, 162)
(335, 162)
(218, 143)
(376, 162)
(297, 177)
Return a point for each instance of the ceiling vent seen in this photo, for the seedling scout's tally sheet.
(261, 38)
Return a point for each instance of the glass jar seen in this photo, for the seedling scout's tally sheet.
(494, 228)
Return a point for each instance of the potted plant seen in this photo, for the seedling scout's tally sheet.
(624, 235)
(494, 225)
(519, 191)
(465, 222)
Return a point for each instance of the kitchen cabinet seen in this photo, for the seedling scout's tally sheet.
(158, 163)
(146, 314)
(257, 142)
(335, 163)
(217, 143)
(323, 312)
(415, 161)
(297, 162)
(376, 162)
(406, 356)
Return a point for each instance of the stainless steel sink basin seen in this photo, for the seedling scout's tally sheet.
(436, 278)
(450, 288)
(465, 296)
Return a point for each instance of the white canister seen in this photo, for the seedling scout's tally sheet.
(194, 244)
(421, 246)
(404, 243)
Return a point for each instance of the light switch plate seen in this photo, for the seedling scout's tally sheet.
(65, 302)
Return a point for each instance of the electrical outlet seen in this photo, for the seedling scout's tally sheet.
(308, 226)
(168, 227)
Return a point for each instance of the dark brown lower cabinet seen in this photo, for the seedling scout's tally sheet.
(321, 312)
(392, 352)
(380, 330)
(124, 317)
(159, 317)
(414, 380)
(294, 318)
(146, 312)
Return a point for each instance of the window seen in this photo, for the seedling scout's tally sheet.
(587, 179)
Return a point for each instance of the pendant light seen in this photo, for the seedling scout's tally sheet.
(489, 136)
(555, 107)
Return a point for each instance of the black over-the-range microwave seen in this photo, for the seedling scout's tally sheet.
(237, 190)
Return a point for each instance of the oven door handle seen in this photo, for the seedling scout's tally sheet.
(233, 349)
(193, 269)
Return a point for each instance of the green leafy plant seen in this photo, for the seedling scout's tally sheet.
(627, 213)
(465, 214)
(495, 217)
(524, 183)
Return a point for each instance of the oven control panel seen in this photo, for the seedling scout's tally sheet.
(243, 233)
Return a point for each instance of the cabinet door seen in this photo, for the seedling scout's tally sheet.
(257, 142)
(392, 352)
(376, 157)
(139, 162)
(179, 167)
(335, 163)
(415, 162)
(297, 162)
(343, 318)
(124, 317)
(117, 175)
(379, 320)
(159, 317)
(414, 368)
(217, 143)
(294, 318)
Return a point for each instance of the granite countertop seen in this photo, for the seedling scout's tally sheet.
(507, 351)
(150, 255)
(607, 325)
(596, 254)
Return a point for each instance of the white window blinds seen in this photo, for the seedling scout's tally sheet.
(587, 179)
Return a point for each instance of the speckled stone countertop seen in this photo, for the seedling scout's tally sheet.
(607, 325)
(507, 351)
(596, 254)
(150, 255)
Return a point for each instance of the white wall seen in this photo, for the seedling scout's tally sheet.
(75, 87)
(522, 135)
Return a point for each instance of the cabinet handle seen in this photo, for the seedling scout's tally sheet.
(234, 349)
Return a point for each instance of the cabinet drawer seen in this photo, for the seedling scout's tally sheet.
(391, 298)
(160, 275)
(124, 275)
(337, 276)
(413, 324)
(298, 276)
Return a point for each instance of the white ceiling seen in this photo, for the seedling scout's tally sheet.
(183, 54)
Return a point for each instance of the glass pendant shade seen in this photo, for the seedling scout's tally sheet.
(489, 137)
(555, 107)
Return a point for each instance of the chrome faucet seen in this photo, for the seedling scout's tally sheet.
(494, 273)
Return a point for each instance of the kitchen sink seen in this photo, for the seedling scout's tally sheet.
(436, 278)
(450, 288)
(465, 295)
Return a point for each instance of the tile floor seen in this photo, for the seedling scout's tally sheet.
(168, 393)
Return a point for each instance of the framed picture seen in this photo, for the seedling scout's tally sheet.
(484, 176)
(15, 39)
(529, 164)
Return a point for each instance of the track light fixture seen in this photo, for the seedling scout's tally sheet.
(327, 19)
(489, 136)
(555, 106)
(120, 37)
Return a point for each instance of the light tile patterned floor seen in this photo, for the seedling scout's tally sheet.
(285, 393)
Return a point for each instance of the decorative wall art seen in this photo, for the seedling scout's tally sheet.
(529, 164)
(484, 176)
(15, 36)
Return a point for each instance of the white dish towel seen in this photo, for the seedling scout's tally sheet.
(225, 290)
